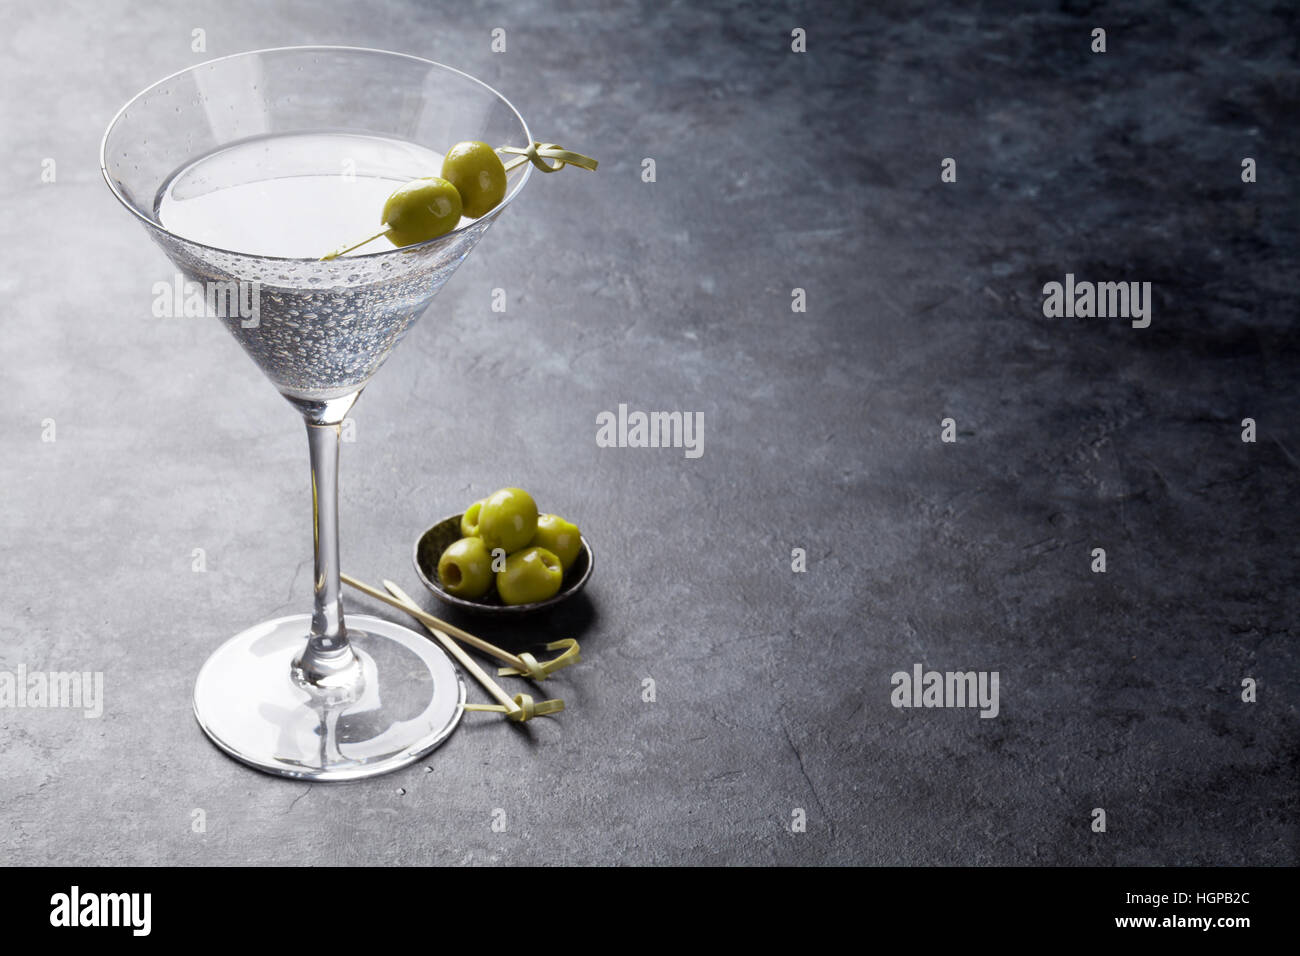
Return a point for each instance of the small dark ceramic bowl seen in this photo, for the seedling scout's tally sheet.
(430, 545)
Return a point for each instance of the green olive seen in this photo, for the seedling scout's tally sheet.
(531, 575)
(465, 568)
(469, 520)
(508, 519)
(478, 175)
(559, 537)
(421, 209)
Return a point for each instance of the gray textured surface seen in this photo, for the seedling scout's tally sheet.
(775, 170)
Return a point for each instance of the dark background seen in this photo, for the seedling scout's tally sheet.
(775, 170)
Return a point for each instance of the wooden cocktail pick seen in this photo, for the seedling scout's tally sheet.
(522, 665)
(527, 710)
(535, 153)
(519, 708)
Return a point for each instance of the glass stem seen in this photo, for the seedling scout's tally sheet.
(328, 657)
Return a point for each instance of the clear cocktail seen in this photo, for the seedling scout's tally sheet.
(248, 169)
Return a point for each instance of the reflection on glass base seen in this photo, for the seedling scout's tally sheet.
(408, 701)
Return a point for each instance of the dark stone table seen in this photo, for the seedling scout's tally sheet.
(775, 171)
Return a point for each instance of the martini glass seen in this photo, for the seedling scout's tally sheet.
(245, 170)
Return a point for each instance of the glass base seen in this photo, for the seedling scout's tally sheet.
(409, 700)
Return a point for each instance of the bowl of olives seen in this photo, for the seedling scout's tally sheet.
(501, 555)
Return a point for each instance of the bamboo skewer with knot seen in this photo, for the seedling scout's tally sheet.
(521, 707)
